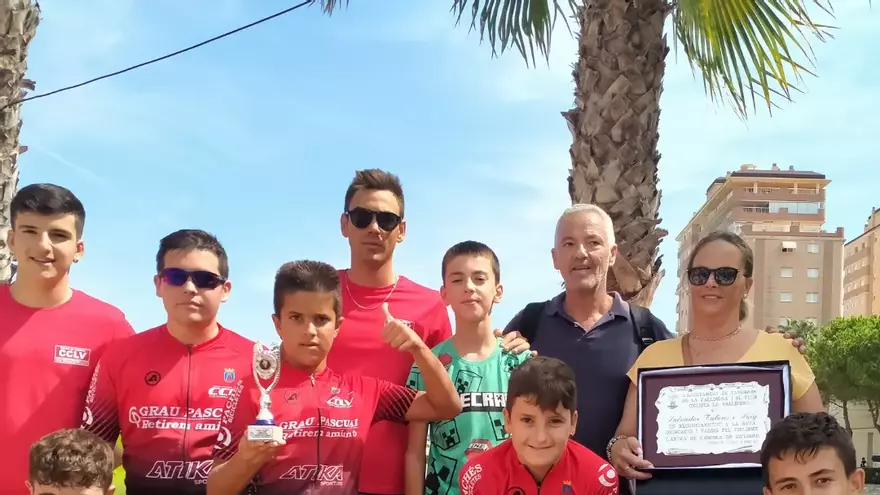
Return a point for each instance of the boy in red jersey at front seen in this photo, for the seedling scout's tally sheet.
(51, 336)
(540, 456)
(326, 417)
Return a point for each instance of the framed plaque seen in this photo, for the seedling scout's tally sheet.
(710, 416)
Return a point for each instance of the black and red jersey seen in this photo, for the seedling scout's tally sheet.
(325, 417)
(498, 471)
(166, 399)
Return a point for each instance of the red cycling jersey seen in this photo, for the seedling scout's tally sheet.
(47, 357)
(326, 418)
(165, 397)
(498, 472)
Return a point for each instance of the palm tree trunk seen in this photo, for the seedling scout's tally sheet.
(18, 24)
(618, 81)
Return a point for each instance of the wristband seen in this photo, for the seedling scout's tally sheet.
(611, 444)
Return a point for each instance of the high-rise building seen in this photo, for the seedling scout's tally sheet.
(780, 213)
(861, 264)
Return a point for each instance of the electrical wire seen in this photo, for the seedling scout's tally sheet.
(159, 59)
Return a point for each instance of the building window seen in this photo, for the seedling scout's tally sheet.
(812, 297)
(813, 248)
(785, 297)
(788, 246)
(812, 273)
(786, 272)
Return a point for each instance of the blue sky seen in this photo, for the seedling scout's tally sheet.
(256, 137)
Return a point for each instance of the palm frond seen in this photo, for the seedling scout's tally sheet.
(330, 6)
(748, 49)
(524, 24)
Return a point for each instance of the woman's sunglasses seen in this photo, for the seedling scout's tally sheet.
(723, 276)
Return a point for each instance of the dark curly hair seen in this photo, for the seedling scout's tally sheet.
(71, 458)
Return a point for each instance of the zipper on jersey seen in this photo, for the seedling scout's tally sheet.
(320, 432)
(186, 412)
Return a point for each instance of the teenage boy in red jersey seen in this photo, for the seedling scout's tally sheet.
(51, 336)
(326, 417)
(165, 388)
(373, 222)
(540, 457)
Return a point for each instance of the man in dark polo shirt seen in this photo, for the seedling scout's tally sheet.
(592, 331)
(595, 332)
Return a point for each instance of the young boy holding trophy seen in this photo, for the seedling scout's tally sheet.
(298, 427)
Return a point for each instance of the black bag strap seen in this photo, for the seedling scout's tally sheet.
(643, 322)
(531, 316)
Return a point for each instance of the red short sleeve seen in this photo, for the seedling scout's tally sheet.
(438, 326)
(101, 414)
(393, 402)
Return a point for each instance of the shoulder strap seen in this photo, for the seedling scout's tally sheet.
(531, 315)
(643, 322)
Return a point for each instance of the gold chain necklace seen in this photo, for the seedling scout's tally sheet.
(715, 339)
(694, 353)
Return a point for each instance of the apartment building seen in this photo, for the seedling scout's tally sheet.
(861, 262)
(781, 214)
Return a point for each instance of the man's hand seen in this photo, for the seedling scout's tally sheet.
(513, 342)
(398, 335)
(256, 453)
(792, 335)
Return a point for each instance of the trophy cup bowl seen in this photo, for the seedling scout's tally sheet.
(267, 371)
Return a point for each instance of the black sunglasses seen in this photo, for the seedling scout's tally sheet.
(723, 276)
(362, 218)
(202, 279)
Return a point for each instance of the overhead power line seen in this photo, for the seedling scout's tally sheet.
(163, 57)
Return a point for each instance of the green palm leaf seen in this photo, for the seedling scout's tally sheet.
(744, 49)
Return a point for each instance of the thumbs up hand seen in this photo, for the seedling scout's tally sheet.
(398, 335)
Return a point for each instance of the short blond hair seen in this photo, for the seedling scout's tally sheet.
(593, 210)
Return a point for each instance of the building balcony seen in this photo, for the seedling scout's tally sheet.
(849, 294)
(863, 272)
(763, 214)
(778, 194)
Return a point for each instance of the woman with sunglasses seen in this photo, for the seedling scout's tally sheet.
(719, 276)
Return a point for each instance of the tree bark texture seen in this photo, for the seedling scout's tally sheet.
(18, 24)
(618, 81)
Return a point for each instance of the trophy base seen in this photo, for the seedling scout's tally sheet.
(267, 433)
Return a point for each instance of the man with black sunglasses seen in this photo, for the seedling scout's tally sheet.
(164, 389)
(373, 222)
